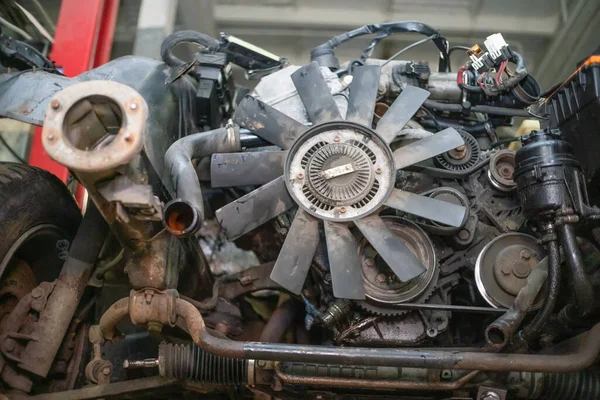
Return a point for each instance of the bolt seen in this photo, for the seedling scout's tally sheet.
(342, 209)
(261, 363)
(463, 234)
(460, 148)
(490, 396)
(127, 137)
(300, 175)
(506, 269)
(381, 278)
(521, 270)
(378, 171)
(37, 292)
(133, 106)
(511, 225)
(55, 104)
(336, 139)
(106, 371)
(369, 262)
(154, 327)
(50, 137)
(525, 254)
(9, 344)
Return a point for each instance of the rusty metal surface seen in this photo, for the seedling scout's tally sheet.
(280, 321)
(356, 383)
(148, 305)
(250, 280)
(91, 111)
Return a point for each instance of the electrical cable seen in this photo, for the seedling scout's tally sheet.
(504, 141)
(415, 44)
(450, 50)
(11, 150)
(15, 28)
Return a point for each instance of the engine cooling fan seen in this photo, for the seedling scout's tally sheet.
(339, 172)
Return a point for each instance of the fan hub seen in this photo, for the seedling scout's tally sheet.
(339, 171)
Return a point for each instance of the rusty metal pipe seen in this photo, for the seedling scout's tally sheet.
(500, 331)
(112, 316)
(280, 321)
(182, 174)
(416, 358)
(355, 383)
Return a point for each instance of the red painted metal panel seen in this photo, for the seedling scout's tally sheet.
(83, 40)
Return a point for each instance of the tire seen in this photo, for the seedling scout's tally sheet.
(38, 220)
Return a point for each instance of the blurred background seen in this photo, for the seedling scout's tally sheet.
(552, 35)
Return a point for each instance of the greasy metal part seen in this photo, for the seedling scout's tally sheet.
(249, 168)
(390, 248)
(157, 263)
(191, 363)
(315, 95)
(363, 94)
(178, 161)
(364, 383)
(585, 355)
(428, 147)
(443, 87)
(254, 209)
(344, 265)
(148, 386)
(582, 385)
(579, 279)
(297, 253)
(181, 218)
(399, 331)
(534, 328)
(401, 111)
(503, 265)
(500, 331)
(500, 172)
(449, 307)
(381, 287)
(462, 157)
(280, 321)
(140, 364)
(53, 322)
(268, 123)
(335, 313)
(83, 115)
(151, 306)
(247, 281)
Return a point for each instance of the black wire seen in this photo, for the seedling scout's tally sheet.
(10, 150)
(432, 116)
(450, 50)
(410, 46)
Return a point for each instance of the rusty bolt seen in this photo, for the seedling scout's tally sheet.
(342, 209)
(133, 106)
(369, 262)
(525, 254)
(490, 396)
(106, 371)
(378, 171)
(37, 292)
(55, 104)
(9, 344)
(155, 327)
(127, 137)
(336, 139)
(300, 175)
(521, 270)
(460, 148)
(381, 278)
(261, 363)
(463, 234)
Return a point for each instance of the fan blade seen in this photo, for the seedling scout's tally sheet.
(315, 95)
(297, 252)
(363, 94)
(254, 209)
(389, 246)
(251, 168)
(401, 111)
(268, 123)
(426, 207)
(344, 265)
(428, 147)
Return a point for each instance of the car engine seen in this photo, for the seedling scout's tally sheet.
(339, 231)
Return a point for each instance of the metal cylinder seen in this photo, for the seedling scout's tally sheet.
(192, 363)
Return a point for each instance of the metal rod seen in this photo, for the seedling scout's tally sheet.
(450, 307)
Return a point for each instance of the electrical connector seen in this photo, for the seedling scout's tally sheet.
(496, 46)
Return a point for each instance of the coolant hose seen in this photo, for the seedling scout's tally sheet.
(175, 38)
(184, 215)
(534, 328)
(510, 112)
(585, 355)
(580, 281)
